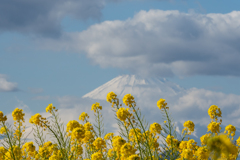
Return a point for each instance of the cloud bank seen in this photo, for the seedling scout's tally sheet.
(6, 86)
(44, 17)
(162, 43)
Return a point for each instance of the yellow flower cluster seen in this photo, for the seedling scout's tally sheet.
(188, 126)
(139, 142)
(123, 113)
(155, 128)
(97, 156)
(161, 103)
(127, 150)
(231, 130)
(2, 117)
(50, 108)
(72, 125)
(212, 112)
(37, 119)
(204, 138)
(78, 133)
(221, 144)
(99, 143)
(214, 127)
(96, 106)
(18, 115)
(111, 96)
(83, 116)
(109, 136)
(170, 140)
(128, 100)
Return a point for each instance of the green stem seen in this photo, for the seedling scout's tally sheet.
(149, 149)
(9, 139)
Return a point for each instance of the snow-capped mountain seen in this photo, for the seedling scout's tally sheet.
(137, 86)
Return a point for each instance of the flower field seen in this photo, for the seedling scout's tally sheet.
(137, 140)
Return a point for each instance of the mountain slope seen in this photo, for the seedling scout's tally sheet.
(136, 86)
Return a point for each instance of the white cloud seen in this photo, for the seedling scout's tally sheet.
(5, 85)
(163, 43)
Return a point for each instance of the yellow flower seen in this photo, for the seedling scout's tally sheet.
(97, 156)
(18, 115)
(2, 117)
(221, 144)
(29, 147)
(99, 143)
(111, 96)
(36, 119)
(3, 130)
(83, 116)
(165, 121)
(110, 153)
(128, 100)
(96, 106)
(214, 127)
(123, 113)
(230, 129)
(72, 125)
(161, 103)
(189, 126)
(117, 143)
(202, 153)
(3, 151)
(127, 150)
(78, 133)
(49, 108)
(204, 139)
(187, 154)
(134, 157)
(212, 111)
(168, 140)
(108, 136)
(238, 141)
(155, 128)
(89, 137)
(88, 126)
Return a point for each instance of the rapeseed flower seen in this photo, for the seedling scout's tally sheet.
(109, 136)
(214, 127)
(212, 112)
(72, 125)
(231, 130)
(155, 128)
(161, 103)
(97, 156)
(123, 114)
(188, 126)
(221, 144)
(2, 117)
(18, 115)
(128, 100)
(127, 150)
(96, 106)
(111, 96)
(49, 108)
(83, 116)
(99, 143)
(78, 133)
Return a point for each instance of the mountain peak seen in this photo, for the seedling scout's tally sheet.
(135, 85)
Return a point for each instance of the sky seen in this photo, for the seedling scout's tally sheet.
(58, 49)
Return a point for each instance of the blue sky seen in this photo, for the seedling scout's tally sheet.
(50, 50)
(37, 69)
